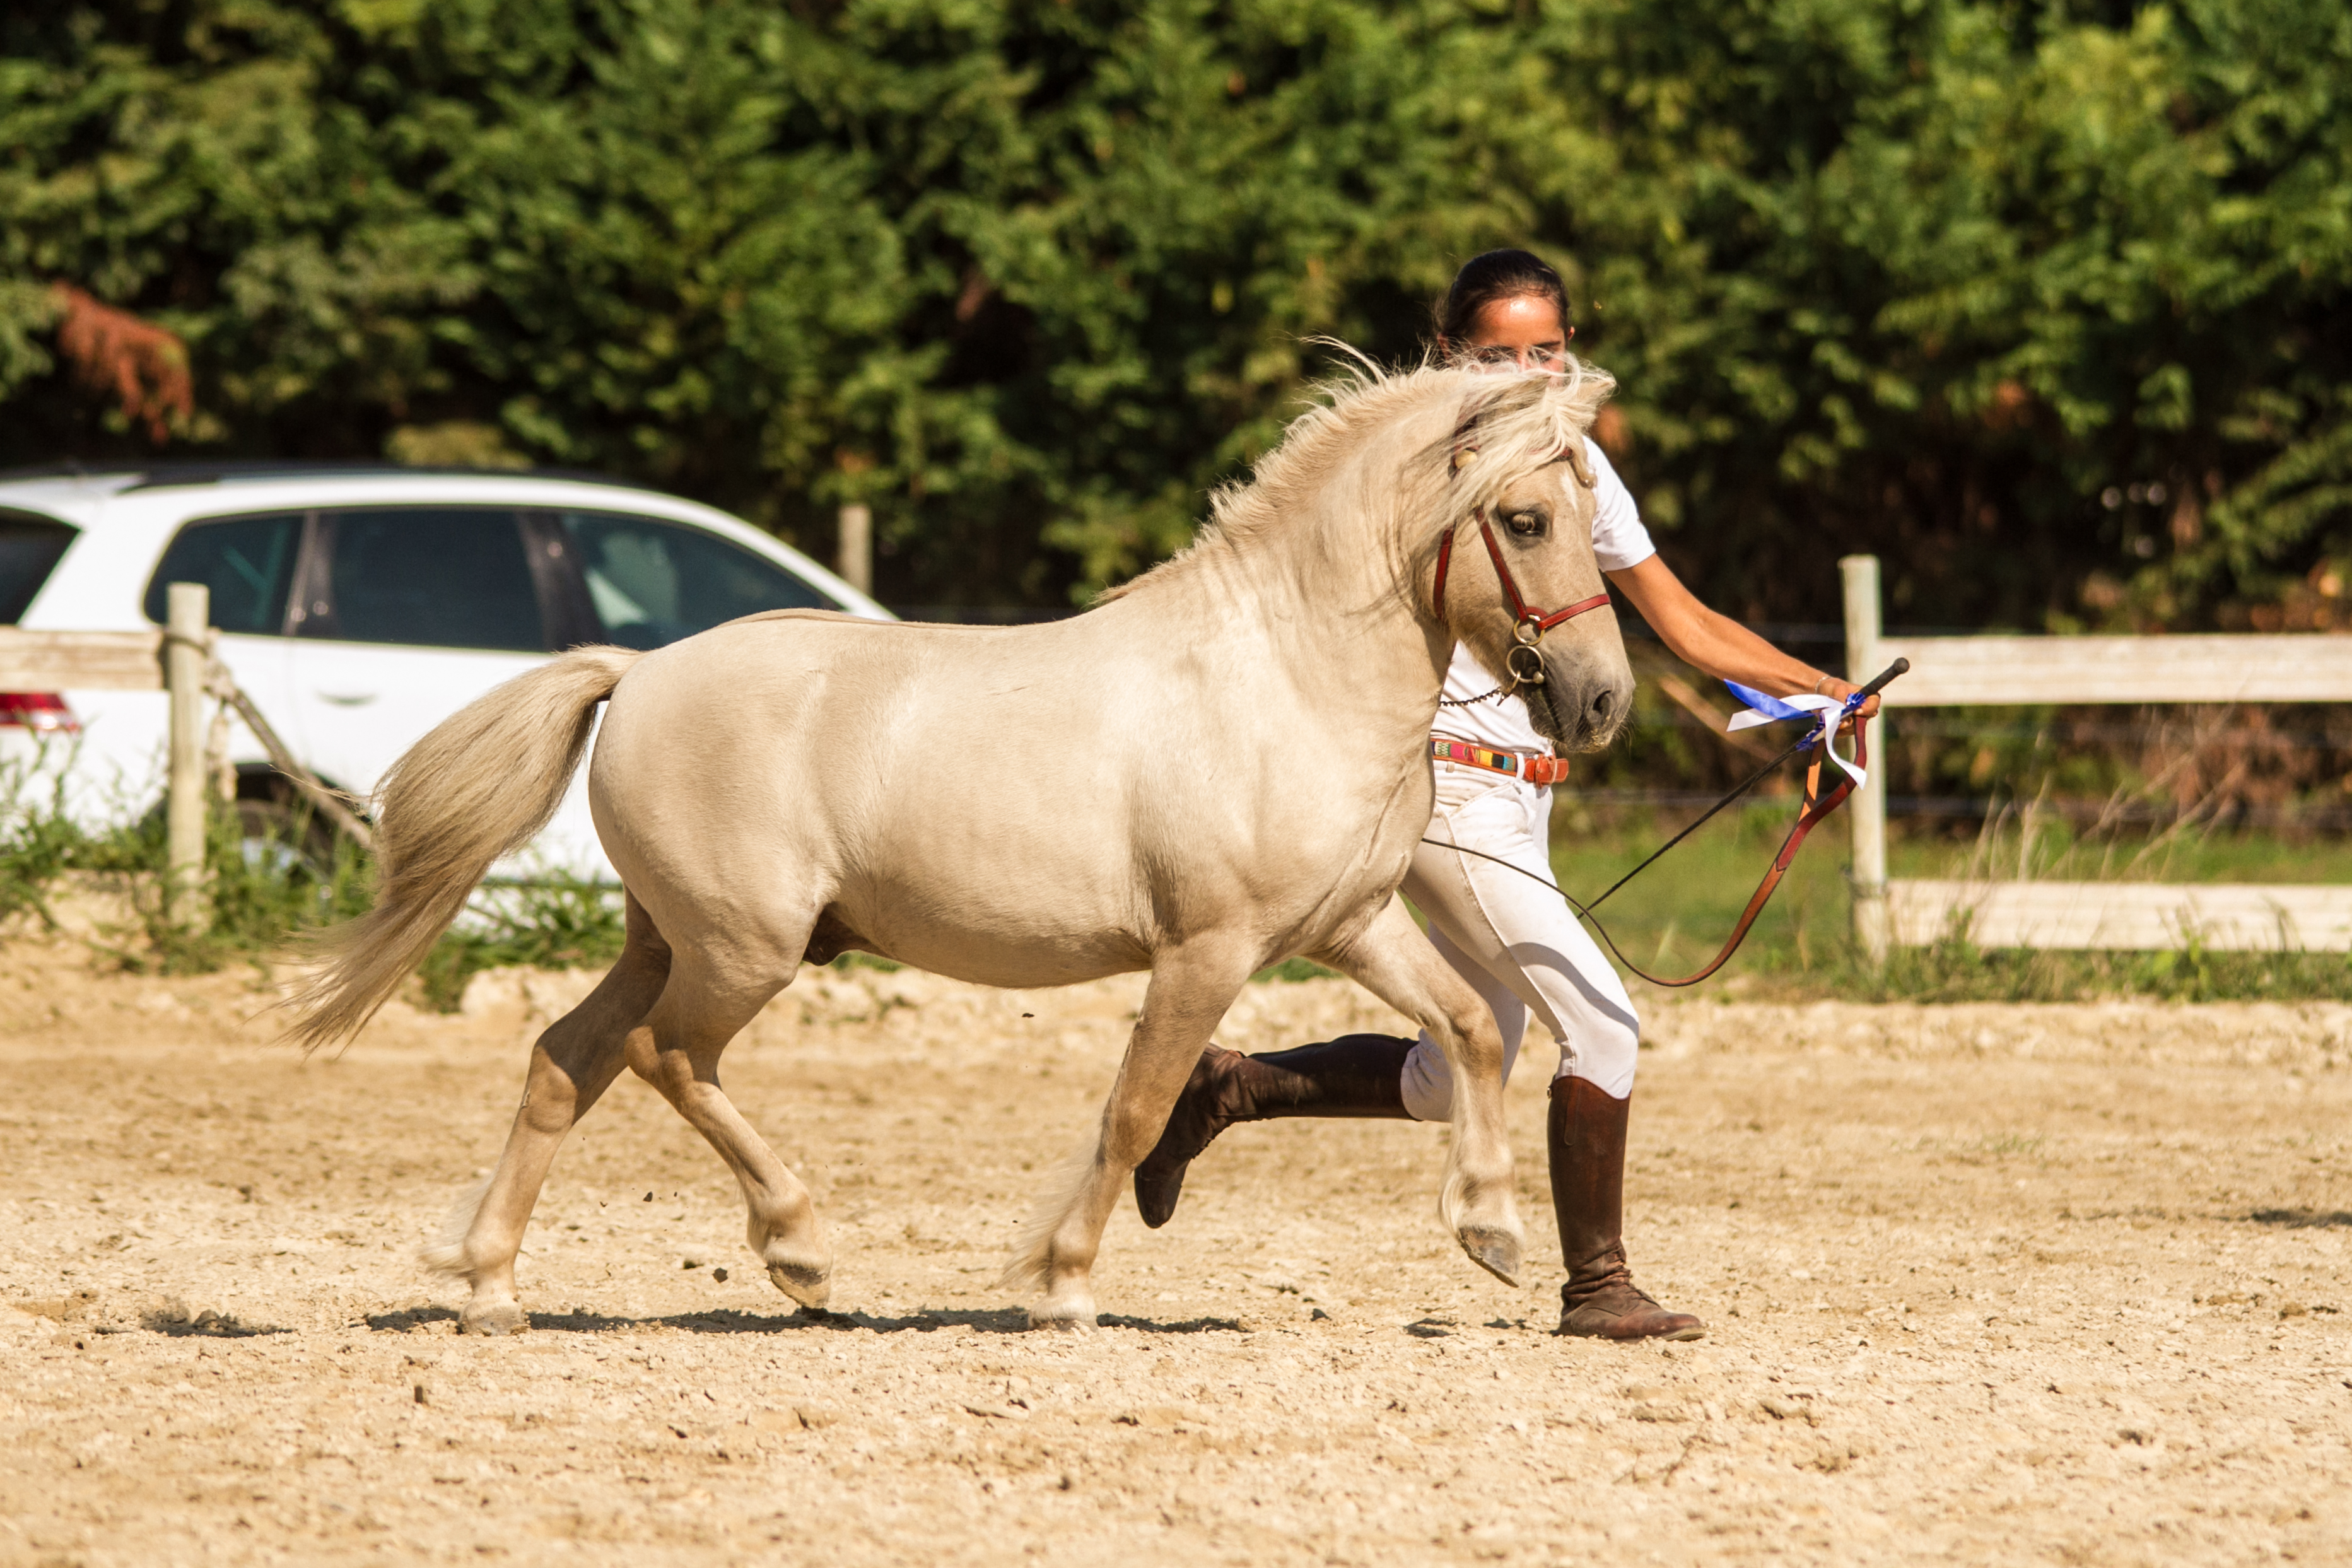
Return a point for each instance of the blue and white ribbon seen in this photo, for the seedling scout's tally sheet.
(1762, 710)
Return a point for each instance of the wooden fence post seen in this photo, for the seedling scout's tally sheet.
(853, 558)
(1859, 577)
(189, 617)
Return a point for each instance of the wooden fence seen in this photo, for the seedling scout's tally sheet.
(178, 660)
(2022, 671)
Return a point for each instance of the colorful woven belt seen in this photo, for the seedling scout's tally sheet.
(1535, 770)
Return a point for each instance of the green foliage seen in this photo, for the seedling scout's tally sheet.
(1957, 971)
(260, 889)
(39, 844)
(264, 894)
(268, 881)
(260, 893)
(1931, 278)
(1293, 969)
(1672, 917)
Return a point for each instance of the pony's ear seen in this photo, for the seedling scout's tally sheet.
(1484, 398)
(1581, 463)
(1495, 408)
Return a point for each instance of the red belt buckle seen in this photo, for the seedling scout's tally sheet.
(1547, 770)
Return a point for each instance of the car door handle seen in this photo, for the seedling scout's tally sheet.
(348, 699)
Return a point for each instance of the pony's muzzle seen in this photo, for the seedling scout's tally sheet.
(1587, 707)
(1607, 706)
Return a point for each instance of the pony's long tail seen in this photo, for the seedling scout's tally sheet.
(479, 787)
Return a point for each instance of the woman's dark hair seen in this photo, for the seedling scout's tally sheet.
(1496, 275)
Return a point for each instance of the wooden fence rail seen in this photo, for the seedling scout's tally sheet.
(80, 661)
(179, 661)
(171, 661)
(2027, 671)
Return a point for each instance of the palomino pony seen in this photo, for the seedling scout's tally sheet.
(1222, 766)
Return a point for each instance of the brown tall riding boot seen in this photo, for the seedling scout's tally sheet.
(1355, 1075)
(1586, 1137)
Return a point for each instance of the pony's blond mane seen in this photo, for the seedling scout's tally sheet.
(1503, 425)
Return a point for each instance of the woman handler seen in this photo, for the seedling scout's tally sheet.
(1516, 942)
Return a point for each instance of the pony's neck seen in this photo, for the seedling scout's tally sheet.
(1335, 585)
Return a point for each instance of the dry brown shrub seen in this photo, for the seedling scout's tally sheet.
(145, 365)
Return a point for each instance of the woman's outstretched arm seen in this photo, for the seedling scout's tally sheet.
(1716, 643)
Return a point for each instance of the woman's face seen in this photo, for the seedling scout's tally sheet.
(1524, 331)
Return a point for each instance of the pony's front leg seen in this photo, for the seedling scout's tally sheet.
(1191, 987)
(1395, 962)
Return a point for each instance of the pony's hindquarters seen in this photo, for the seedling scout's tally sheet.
(479, 787)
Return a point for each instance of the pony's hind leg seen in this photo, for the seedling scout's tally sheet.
(678, 1055)
(1191, 990)
(574, 1061)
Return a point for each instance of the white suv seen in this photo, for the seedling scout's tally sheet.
(359, 606)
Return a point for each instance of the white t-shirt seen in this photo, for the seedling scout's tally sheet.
(1498, 723)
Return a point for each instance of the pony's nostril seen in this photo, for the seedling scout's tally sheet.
(1603, 704)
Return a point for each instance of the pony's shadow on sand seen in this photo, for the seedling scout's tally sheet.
(727, 1321)
(204, 1326)
(409, 1320)
(2303, 1219)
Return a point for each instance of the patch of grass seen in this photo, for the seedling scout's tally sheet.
(257, 893)
(262, 893)
(1957, 971)
(39, 844)
(2000, 1145)
(557, 921)
(1293, 969)
(1674, 916)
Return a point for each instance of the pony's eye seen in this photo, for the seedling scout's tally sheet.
(1529, 524)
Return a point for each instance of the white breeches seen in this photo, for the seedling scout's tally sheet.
(1516, 942)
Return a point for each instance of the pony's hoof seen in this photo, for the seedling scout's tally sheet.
(499, 1317)
(1071, 1317)
(811, 1286)
(1495, 1251)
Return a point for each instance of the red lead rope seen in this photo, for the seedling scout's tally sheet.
(1816, 807)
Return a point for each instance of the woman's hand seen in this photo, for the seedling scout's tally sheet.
(1830, 686)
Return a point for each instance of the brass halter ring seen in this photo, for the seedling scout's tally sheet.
(1526, 633)
(1522, 661)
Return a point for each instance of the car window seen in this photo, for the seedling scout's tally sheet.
(247, 561)
(29, 550)
(655, 582)
(436, 576)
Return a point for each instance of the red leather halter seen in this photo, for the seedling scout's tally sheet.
(1529, 623)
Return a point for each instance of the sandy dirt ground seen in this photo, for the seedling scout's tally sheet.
(1986, 1285)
